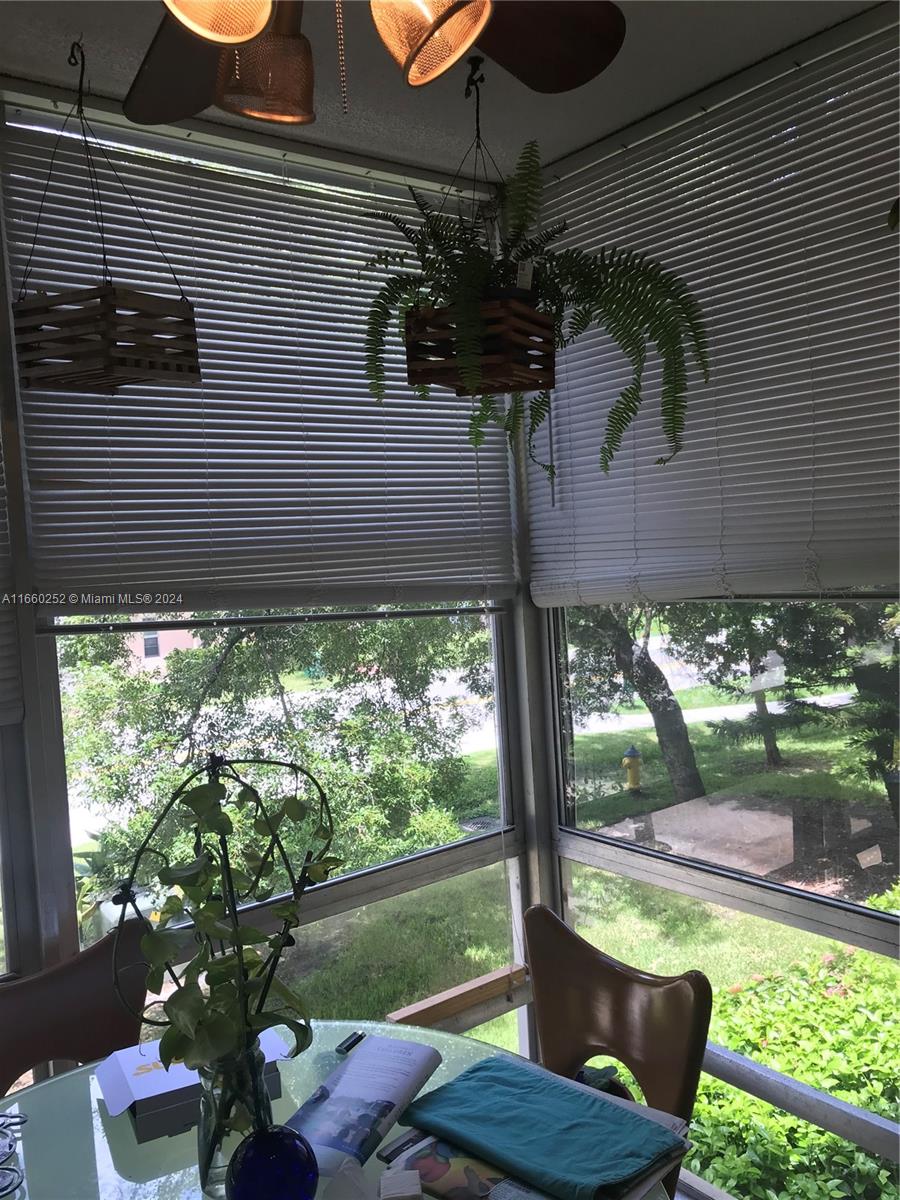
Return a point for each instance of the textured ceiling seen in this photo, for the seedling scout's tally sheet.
(672, 49)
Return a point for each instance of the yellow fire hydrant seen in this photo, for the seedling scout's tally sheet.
(631, 761)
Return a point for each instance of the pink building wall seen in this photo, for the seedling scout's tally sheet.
(162, 642)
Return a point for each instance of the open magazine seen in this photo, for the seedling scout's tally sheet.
(349, 1114)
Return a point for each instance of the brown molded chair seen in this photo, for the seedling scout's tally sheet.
(71, 1012)
(586, 1003)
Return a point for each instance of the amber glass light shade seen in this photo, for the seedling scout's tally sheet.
(272, 77)
(426, 37)
(228, 22)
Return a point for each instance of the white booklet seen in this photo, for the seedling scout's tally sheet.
(350, 1113)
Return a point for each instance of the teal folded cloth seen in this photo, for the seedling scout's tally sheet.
(543, 1130)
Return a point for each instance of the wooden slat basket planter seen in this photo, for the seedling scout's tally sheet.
(100, 339)
(518, 351)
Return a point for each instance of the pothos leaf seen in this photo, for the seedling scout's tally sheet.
(185, 1008)
(216, 821)
(295, 809)
(173, 907)
(216, 1037)
(187, 875)
(301, 1031)
(204, 798)
(155, 979)
(319, 871)
(160, 948)
(172, 1046)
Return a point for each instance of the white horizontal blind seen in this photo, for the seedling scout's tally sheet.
(774, 208)
(278, 480)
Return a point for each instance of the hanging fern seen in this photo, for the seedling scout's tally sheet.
(643, 307)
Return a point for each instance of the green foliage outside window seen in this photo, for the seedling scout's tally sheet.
(830, 1022)
(385, 746)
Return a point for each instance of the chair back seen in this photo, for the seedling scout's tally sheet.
(71, 1011)
(586, 1003)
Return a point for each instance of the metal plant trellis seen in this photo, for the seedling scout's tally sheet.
(98, 339)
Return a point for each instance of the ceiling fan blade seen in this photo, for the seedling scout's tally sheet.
(554, 45)
(177, 78)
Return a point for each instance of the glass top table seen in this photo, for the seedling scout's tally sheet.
(71, 1149)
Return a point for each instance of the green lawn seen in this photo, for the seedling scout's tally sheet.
(300, 681)
(701, 696)
(386, 955)
(667, 933)
(816, 764)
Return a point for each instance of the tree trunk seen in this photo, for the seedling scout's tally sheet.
(651, 685)
(675, 747)
(773, 754)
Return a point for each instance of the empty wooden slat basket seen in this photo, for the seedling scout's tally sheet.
(100, 339)
(518, 353)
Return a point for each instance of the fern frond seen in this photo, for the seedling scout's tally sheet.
(619, 419)
(394, 296)
(515, 417)
(469, 287)
(424, 207)
(412, 235)
(532, 247)
(522, 195)
(386, 258)
(483, 412)
(538, 411)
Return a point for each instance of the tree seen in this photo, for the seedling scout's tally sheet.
(382, 740)
(612, 663)
(729, 641)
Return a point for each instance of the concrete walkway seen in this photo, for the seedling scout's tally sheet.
(745, 832)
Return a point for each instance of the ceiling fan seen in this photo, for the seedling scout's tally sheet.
(250, 57)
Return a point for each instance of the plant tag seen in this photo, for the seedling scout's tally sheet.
(525, 274)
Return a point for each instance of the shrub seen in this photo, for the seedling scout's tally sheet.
(829, 1023)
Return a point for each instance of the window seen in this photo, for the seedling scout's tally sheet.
(804, 1005)
(760, 737)
(381, 957)
(151, 645)
(278, 480)
(394, 714)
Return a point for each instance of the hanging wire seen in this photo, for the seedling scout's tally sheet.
(478, 149)
(90, 143)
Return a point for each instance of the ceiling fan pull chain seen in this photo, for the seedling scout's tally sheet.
(342, 54)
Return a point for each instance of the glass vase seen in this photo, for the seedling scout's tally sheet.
(233, 1100)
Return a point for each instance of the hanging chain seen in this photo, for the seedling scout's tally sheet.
(342, 54)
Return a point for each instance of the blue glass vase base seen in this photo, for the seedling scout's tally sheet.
(277, 1163)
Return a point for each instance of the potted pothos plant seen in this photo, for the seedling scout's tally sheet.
(483, 300)
(226, 990)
